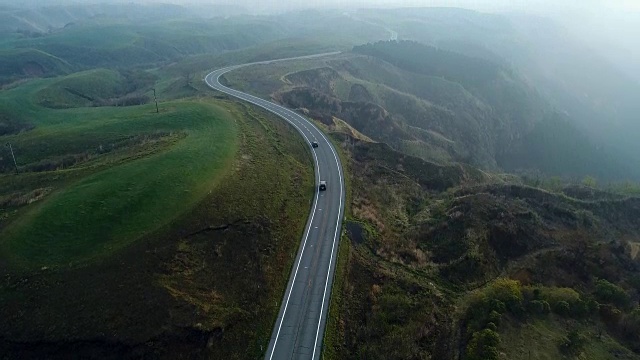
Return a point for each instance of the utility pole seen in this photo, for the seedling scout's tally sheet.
(13, 156)
(156, 100)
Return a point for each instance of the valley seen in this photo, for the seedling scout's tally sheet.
(490, 212)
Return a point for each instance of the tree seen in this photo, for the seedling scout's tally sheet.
(554, 184)
(611, 293)
(610, 314)
(483, 345)
(562, 308)
(494, 317)
(631, 324)
(589, 181)
(573, 343)
(538, 307)
(506, 291)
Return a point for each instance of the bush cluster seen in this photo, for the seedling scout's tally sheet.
(506, 296)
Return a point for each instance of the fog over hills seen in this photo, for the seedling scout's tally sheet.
(612, 27)
(581, 56)
(487, 159)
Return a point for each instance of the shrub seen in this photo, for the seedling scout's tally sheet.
(589, 181)
(497, 306)
(554, 295)
(582, 308)
(538, 307)
(507, 291)
(611, 293)
(483, 345)
(573, 343)
(592, 306)
(495, 317)
(562, 308)
(537, 293)
(631, 325)
(610, 314)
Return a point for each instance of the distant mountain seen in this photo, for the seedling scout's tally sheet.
(522, 139)
(576, 79)
(580, 81)
(51, 16)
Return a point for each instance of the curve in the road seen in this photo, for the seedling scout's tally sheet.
(299, 329)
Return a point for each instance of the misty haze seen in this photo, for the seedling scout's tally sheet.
(451, 180)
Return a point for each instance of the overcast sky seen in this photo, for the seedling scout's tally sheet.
(486, 5)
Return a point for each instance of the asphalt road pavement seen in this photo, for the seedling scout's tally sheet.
(299, 329)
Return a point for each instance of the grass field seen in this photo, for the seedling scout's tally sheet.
(110, 208)
(99, 87)
(85, 85)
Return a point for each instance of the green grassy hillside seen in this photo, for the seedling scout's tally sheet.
(21, 63)
(36, 20)
(127, 45)
(97, 87)
(111, 43)
(84, 220)
(80, 89)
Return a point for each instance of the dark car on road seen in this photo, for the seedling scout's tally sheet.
(314, 144)
(323, 185)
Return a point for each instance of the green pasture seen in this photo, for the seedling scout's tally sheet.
(105, 211)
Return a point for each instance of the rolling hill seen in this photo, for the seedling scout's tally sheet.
(23, 63)
(134, 233)
(99, 87)
(441, 106)
(571, 74)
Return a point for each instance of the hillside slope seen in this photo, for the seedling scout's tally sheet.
(97, 87)
(23, 63)
(440, 106)
(200, 282)
(422, 272)
(447, 260)
(572, 74)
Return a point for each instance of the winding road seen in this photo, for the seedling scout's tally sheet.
(299, 329)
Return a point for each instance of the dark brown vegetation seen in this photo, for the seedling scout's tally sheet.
(416, 255)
